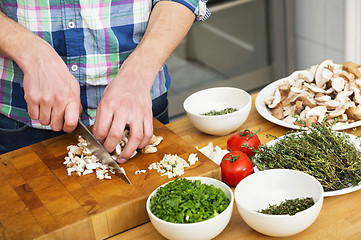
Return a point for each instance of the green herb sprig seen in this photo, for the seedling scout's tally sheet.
(187, 201)
(221, 112)
(327, 155)
(289, 206)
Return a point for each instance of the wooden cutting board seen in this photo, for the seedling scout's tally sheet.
(39, 200)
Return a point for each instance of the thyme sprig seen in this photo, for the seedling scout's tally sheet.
(327, 155)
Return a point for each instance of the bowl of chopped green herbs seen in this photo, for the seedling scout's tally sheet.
(219, 110)
(190, 208)
(279, 202)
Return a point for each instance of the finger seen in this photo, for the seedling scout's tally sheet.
(71, 116)
(45, 114)
(57, 119)
(32, 101)
(33, 110)
(102, 124)
(115, 134)
(58, 115)
(147, 132)
(136, 136)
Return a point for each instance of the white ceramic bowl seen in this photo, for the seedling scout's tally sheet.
(218, 99)
(207, 229)
(260, 189)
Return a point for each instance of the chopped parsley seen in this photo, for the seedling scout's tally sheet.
(187, 201)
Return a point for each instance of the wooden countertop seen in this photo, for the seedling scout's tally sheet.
(340, 217)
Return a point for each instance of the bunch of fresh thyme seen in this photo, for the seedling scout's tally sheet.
(327, 155)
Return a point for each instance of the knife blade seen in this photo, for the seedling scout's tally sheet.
(100, 152)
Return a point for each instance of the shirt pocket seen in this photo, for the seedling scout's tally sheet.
(100, 69)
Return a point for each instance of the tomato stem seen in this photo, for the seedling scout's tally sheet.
(247, 133)
(232, 158)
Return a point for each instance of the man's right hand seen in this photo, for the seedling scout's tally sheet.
(52, 93)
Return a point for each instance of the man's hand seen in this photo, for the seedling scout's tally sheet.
(126, 101)
(51, 91)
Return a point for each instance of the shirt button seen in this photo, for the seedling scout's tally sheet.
(74, 67)
(71, 24)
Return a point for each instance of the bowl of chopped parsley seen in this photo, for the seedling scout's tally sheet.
(279, 202)
(219, 110)
(190, 208)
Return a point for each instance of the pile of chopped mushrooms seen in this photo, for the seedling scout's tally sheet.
(326, 91)
(81, 161)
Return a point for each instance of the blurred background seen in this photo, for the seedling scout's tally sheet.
(250, 43)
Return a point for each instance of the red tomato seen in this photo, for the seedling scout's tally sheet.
(234, 167)
(245, 141)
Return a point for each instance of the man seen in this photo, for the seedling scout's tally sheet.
(63, 59)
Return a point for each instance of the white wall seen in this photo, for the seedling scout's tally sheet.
(319, 31)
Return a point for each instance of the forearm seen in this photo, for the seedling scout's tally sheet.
(168, 24)
(19, 43)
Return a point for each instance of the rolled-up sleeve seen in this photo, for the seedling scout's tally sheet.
(198, 7)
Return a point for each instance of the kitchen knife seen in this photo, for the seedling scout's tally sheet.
(100, 152)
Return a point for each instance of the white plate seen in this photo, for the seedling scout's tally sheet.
(263, 110)
(353, 139)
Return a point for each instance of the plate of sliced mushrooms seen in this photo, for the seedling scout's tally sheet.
(323, 92)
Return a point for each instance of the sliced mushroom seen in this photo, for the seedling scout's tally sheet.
(352, 68)
(284, 91)
(336, 68)
(277, 112)
(149, 149)
(293, 95)
(276, 100)
(309, 121)
(344, 95)
(313, 69)
(304, 112)
(330, 105)
(314, 88)
(319, 112)
(344, 103)
(323, 73)
(304, 75)
(155, 140)
(347, 76)
(298, 107)
(356, 90)
(268, 100)
(320, 97)
(289, 111)
(296, 90)
(288, 81)
(289, 119)
(298, 83)
(358, 82)
(307, 100)
(354, 112)
(338, 83)
(117, 150)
